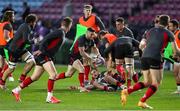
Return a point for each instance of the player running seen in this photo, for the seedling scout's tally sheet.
(47, 49)
(157, 40)
(16, 48)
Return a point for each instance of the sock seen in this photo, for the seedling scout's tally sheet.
(121, 70)
(128, 83)
(135, 78)
(50, 85)
(2, 82)
(49, 95)
(22, 77)
(86, 73)
(178, 86)
(81, 79)
(26, 82)
(118, 84)
(0, 69)
(150, 91)
(136, 87)
(105, 88)
(60, 76)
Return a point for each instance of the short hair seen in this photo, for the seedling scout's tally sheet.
(7, 15)
(31, 18)
(66, 21)
(90, 30)
(88, 7)
(120, 19)
(164, 20)
(175, 22)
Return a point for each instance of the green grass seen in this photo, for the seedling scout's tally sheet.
(33, 97)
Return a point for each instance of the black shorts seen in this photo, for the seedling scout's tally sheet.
(124, 50)
(2, 53)
(73, 57)
(149, 63)
(42, 58)
(16, 56)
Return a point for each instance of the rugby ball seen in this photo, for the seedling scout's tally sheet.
(100, 61)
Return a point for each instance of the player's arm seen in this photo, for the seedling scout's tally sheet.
(95, 50)
(7, 29)
(100, 23)
(6, 35)
(83, 53)
(143, 41)
(108, 50)
(176, 50)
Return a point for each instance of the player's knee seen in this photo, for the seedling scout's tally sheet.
(68, 75)
(129, 65)
(147, 83)
(52, 76)
(30, 59)
(81, 70)
(11, 65)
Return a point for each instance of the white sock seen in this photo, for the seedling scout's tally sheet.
(17, 89)
(178, 88)
(49, 95)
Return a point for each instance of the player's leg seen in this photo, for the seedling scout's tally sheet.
(120, 68)
(10, 69)
(177, 76)
(68, 74)
(113, 81)
(87, 69)
(1, 65)
(51, 70)
(138, 85)
(80, 68)
(38, 71)
(156, 78)
(30, 62)
(100, 86)
(129, 67)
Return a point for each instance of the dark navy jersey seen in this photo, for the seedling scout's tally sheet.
(52, 42)
(21, 38)
(126, 32)
(121, 41)
(83, 42)
(157, 39)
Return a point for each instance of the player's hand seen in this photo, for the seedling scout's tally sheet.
(37, 53)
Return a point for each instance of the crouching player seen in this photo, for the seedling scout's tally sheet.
(83, 46)
(47, 49)
(122, 50)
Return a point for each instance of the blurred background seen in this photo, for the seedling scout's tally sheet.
(139, 14)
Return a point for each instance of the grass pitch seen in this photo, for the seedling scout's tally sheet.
(33, 97)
